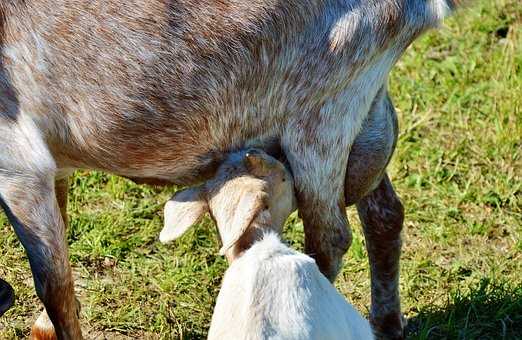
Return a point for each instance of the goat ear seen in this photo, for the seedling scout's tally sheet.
(258, 163)
(6, 296)
(182, 211)
(248, 208)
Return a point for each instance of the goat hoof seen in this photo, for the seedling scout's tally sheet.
(43, 328)
(389, 327)
(7, 297)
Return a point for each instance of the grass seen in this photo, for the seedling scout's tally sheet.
(457, 167)
(490, 310)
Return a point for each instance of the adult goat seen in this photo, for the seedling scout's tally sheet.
(160, 90)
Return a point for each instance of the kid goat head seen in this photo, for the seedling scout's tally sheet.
(251, 192)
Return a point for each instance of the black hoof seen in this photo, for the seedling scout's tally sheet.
(7, 297)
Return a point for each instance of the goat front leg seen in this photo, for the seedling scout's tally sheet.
(319, 169)
(30, 204)
(382, 216)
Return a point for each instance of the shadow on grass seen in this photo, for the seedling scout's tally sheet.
(488, 311)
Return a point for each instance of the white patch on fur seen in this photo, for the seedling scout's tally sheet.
(344, 29)
(44, 323)
(24, 149)
(439, 9)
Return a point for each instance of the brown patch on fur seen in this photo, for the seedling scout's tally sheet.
(3, 16)
(254, 233)
(61, 188)
(43, 328)
(392, 22)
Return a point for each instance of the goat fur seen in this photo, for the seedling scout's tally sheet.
(275, 292)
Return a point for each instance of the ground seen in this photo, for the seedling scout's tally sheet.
(457, 167)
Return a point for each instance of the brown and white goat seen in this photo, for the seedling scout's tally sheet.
(161, 90)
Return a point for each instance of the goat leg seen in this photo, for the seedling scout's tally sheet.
(27, 195)
(382, 216)
(319, 179)
(43, 328)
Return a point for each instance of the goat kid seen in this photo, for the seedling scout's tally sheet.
(162, 90)
(269, 291)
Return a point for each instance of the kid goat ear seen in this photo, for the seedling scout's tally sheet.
(183, 210)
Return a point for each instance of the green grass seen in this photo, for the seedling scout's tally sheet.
(457, 167)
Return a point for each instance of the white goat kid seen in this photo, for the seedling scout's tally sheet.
(270, 291)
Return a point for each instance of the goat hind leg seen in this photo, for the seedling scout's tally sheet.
(30, 204)
(382, 215)
(61, 186)
(27, 195)
(43, 328)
